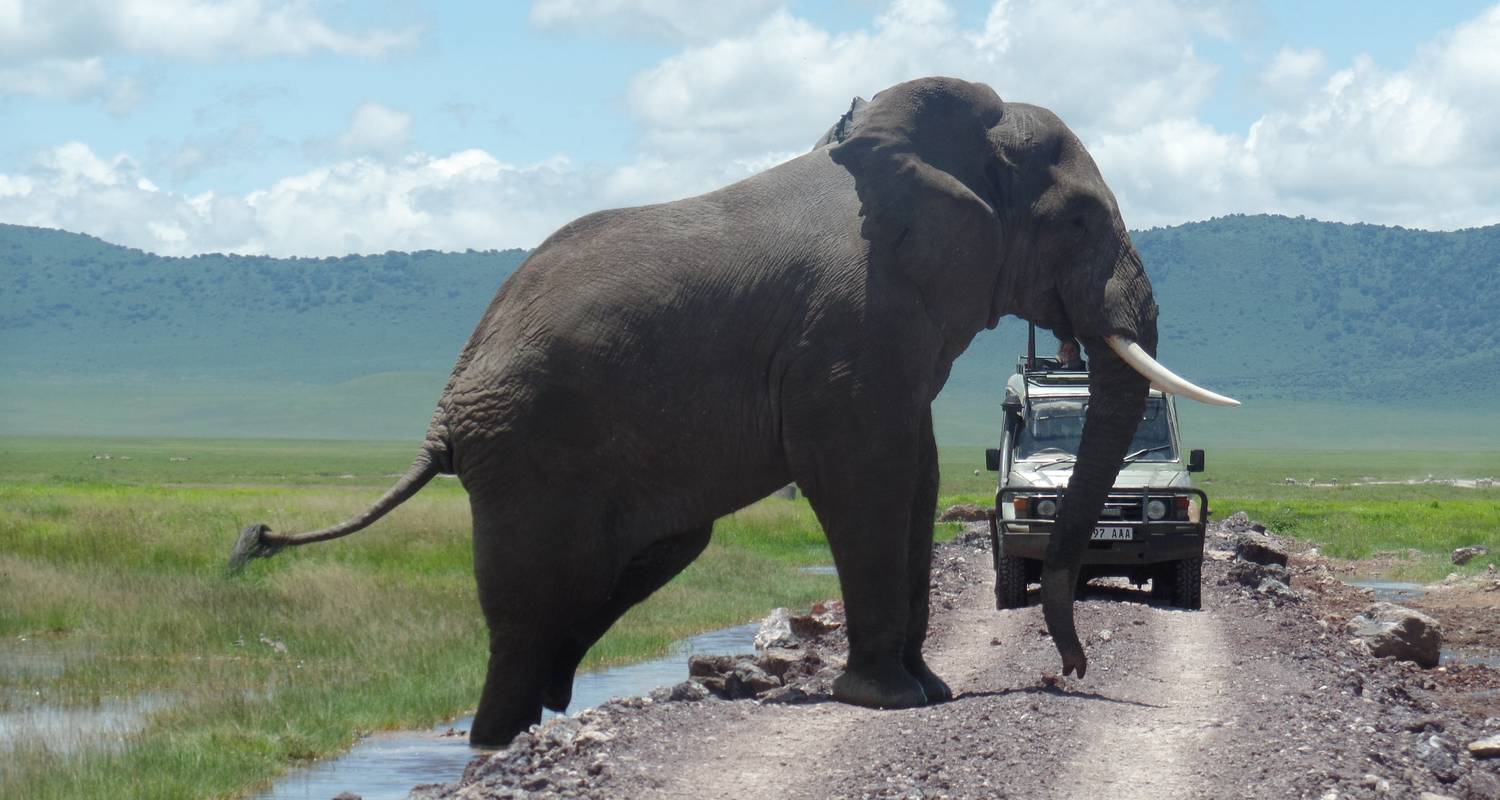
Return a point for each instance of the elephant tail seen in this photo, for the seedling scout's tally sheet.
(257, 540)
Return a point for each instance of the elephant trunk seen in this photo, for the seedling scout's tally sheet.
(1117, 399)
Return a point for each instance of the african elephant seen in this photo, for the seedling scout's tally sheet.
(648, 370)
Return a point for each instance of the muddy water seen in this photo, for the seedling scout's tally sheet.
(67, 729)
(1392, 591)
(388, 765)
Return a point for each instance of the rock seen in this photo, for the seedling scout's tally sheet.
(1386, 629)
(776, 631)
(1238, 522)
(1435, 796)
(1275, 588)
(685, 692)
(1480, 784)
(812, 626)
(559, 731)
(790, 664)
(1260, 549)
(709, 666)
(1438, 757)
(1464, 555)
(1251, 574)
(1105, 635)
(347, 796)
(1488, 747)
(965, 512)
(748, 680)
(1289, 481)
(784, 695)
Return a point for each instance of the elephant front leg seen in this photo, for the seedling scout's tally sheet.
(919, 566)
(864, 504)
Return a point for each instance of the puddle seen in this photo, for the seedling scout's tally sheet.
(1450, 656)
(388, 765)
(67, 730)
(30, 658)
(821, 569)
(1392, 591)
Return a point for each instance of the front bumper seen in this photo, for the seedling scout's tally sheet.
(1151, 542)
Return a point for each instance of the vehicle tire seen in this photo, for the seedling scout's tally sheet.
(1187, 583)
(1010, 582)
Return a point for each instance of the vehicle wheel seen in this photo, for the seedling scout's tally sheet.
(1187, 583)
(1010, 582)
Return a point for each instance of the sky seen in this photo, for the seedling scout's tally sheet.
(307, 128)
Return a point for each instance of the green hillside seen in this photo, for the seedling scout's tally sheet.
(1329, 332)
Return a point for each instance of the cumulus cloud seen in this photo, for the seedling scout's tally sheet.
(1412, 146)
(55, 49)
(376, 129)
(465, 199)
(1407, 144)
(765, 90)
(675, 20)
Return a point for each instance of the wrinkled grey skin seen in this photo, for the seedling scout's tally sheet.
(648, 370)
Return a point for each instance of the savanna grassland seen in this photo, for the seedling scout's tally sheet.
(115, 608)
(170, 679)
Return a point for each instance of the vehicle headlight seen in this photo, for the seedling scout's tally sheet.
(1046, 508)
(1155, 509)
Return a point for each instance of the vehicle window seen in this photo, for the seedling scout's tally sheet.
(1055, 427)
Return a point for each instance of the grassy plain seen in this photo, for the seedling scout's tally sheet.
(112, 589)
(1355, 509)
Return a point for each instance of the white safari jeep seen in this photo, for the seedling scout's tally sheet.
(1152, 525)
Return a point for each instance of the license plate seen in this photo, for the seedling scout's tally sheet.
(1112, 534)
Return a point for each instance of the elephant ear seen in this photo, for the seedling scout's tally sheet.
(928, 183)
(842, 129)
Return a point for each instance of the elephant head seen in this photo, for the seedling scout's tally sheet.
(996, 208)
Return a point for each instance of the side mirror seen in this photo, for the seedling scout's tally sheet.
(1195, 461)
(992, 460)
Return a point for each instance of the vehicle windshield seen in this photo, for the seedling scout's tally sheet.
(1056, 425)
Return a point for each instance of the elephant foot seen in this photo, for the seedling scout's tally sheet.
(888, 686)
(558, 692)
(935, 688)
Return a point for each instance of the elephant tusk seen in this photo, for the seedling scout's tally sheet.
(1162, 378)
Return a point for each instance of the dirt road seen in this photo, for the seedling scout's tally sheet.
(1255, 696)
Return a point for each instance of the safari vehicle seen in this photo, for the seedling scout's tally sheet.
(1152, 525)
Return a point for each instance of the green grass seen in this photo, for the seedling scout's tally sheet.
(114, 570)
(1354, 521)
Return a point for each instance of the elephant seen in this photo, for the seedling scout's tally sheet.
(648, 370)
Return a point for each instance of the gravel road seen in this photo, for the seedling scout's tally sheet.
(1255, 696)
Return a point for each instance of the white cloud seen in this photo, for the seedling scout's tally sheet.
(375, 129)
(55, 48)
(678, 20)
(1405, 144)
(466, 199)
(1412, 147)
(70, 79)
(779, 85)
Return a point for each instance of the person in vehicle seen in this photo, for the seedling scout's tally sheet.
(1069, 357)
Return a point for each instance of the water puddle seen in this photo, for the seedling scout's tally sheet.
(388, 765)
(64, 730)
(821, 569)
(1392, 591)
(1449, 656)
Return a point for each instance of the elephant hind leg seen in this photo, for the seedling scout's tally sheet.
(646, 572)
(539, 573)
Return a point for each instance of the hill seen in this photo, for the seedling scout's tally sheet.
(1281, 312)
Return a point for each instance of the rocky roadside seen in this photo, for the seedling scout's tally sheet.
(1267, 692)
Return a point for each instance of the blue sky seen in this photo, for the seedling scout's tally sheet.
(319, 128)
